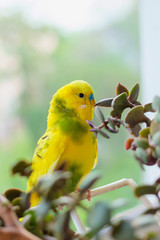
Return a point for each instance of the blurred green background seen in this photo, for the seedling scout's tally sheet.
(36, 61)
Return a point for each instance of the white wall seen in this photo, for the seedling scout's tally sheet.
(149, 23)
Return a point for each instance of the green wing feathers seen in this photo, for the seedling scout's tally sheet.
(47, 153)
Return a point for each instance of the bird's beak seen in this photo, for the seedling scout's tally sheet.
(92, 100)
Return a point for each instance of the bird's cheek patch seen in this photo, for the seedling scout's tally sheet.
(82, 106)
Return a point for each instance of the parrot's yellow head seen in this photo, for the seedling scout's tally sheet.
(75, 99)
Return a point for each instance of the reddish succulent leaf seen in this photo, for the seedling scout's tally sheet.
(121, 89)
(128, 143)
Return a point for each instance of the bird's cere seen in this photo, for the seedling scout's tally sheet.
(91, 97)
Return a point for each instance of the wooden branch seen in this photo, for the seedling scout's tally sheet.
(12, 229)
(107, 188)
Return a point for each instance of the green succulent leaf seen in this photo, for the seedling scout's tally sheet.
(120, 103)
(42, 210)
(135, 130)
(18, 207)
(22, 167)
(145, 189)
(123, 230)
(50, 186)
(88, 183)
(156, 103)
(135, 116)
(152, 210)
(148, 108)
(134, 93)
(141, 155)
(155, 127)
(121, 89)
(105, 102)
(141, 142)
(144, 132)
(12, 193)
(156, 138)
(99, 216)
(62, 230)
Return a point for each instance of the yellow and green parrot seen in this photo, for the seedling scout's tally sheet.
(68, 138)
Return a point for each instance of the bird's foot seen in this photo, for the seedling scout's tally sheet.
(88, 194)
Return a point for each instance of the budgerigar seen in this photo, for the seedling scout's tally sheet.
(67, 138)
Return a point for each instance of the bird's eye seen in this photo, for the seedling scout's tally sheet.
(81, 95)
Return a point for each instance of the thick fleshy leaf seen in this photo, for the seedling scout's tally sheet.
(157, 117)
(157, 151)
(144, 132)
(120, 103)
(123, 230)
(22, 167)
(145, 189)
(141, 142)
(88, 183)
(156, 103)
(105, 102)
(135, 116)
(25, 200)
(18, 208)
(141, 155)
(135, 130)
(121, 89)
(148, 108)
(99, 216)
(42, 210)
(134, 93)
(156, 138)
(157, 182)
(50, 186)
(12, 193)
(128, 143)
(154, 127)
(152, 210)
(62, 230)
(32, 213)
